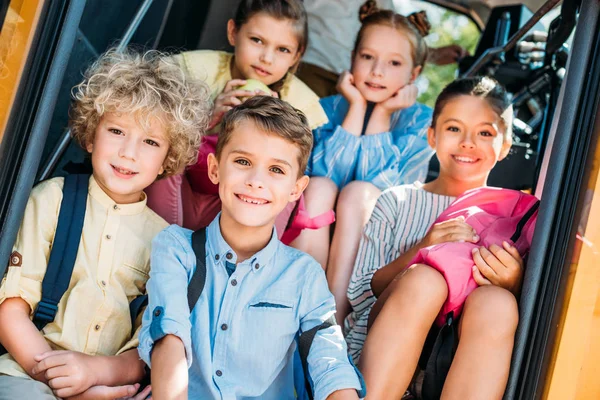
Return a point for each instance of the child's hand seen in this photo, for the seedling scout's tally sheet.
(499, 266)
(453, 230)
(345, 86)
(124, 392)
(403, 98)
(229, 98)
(68, 372)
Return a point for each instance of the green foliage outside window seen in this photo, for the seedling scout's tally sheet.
(447, 27)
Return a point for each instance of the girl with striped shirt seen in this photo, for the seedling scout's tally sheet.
(394, 307)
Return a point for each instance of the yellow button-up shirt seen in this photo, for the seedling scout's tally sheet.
(113, 261)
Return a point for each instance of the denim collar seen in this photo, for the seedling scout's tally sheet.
(223, 252)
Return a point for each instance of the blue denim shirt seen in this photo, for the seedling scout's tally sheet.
(239, 338)
(396, 157)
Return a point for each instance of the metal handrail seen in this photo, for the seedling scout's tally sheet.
(489, 54)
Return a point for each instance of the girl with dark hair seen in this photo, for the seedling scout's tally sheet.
(395, 302)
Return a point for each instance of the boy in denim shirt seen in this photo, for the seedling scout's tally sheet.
(238, 342)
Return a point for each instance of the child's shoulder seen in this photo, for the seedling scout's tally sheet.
(289, 257)
(204, 64)
(174, 235)
(299, 95)
(403, 192)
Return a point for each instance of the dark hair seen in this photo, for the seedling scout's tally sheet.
(272, 115)
(480, 86)
(292, 10)
(416, 26)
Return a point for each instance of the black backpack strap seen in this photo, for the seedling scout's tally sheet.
(524, 220)
(64, 248)
(305, 341)
(196, 284)
(440, 360)
(135, 308)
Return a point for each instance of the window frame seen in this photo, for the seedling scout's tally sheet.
(28, 122)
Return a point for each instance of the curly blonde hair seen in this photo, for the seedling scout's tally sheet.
(149, 85)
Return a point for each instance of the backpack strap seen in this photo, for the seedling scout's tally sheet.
(305, 342)
(440, 359)
(64, 248)
(135, 308)
(196, 284)
(523, 221)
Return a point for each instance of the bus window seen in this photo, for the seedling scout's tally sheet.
(15, 40)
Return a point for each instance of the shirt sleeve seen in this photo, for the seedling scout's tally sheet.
(328, 362)
(376, 249)
(29, 259)
(334, 149)
(398, 157)
(168, 311)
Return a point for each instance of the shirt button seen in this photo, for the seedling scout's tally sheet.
(103, 283)
(229, 256)
(233, 282)
(108, 237)
(224, 327)
(219, 373)
(156, 313)
(217, 257)
(256, 266)
(97, 327)
(115, 207)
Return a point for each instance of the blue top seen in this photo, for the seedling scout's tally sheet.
(240, 338)
(385, 159)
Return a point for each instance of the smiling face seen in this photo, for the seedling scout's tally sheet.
(127, 158)
(382, 63)
(265, 48)
(258, 175)
(469, 139)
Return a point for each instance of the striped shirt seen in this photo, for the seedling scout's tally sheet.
(401, 218)
(396, 157)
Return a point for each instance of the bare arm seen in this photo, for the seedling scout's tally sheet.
(353, 122)
(169, 369)
(124, 369)
(453, 230)
(20, 336)
(386, 274)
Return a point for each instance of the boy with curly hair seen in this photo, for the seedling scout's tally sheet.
(141, 119)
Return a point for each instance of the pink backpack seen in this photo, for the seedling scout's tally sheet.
(497, 215)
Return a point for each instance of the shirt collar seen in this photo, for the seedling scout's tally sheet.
(121, 209)
(222, 250)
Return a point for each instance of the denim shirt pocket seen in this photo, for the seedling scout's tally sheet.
(274, 321)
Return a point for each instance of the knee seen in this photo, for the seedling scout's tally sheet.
(323, 189)
(423, 284)
(356, 196)
(492, 311)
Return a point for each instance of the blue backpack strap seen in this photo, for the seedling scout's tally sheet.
(64, 249)
(196, 285)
